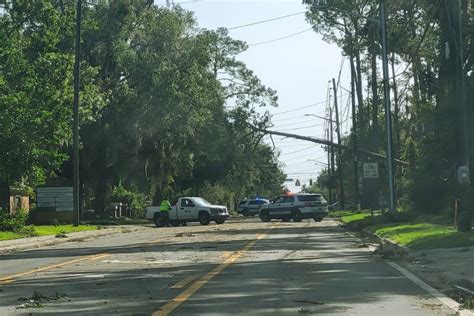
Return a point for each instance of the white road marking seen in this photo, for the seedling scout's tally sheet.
(432, 291)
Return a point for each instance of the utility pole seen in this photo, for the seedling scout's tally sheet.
(339, 151)
(388, 113)
(354, 132)
(75, 129)
(329, 168)
(463, 132)
(331, 136)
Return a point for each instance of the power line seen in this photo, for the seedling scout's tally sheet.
(294, 123)
(289, 145)
(304, 157)
(298, 151)
(298, 117)
(298, 128)
(265, 21)
(300, 163)
(303, 107)
(280, 38)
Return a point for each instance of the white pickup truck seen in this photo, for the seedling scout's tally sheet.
(190, 209)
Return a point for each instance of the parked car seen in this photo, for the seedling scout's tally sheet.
(190, 209)
(297, 206)
(251, 207)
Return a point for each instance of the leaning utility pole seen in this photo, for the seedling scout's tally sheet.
(388, 113)
(339, 152)
(354, 132)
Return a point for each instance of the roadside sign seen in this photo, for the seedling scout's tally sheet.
(371, 170)
(60, 198)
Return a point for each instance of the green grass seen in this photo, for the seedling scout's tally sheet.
(353, 217)
(65, 229)
(10, 235)
(424, 235)
(410, 229)
(116, 221)
(47, 230)
(339, 214)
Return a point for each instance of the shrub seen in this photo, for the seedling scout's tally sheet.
(137, 201)
(15, 222)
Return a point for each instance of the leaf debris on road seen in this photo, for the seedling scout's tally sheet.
(37, 300)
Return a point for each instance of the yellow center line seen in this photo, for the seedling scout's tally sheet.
(183, 283)
(186, 294)
(9, 279)
(226, 254)
(100, 256)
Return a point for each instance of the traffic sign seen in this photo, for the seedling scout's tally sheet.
(371, 170)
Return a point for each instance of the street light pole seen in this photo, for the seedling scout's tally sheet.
(388, 113)
(75, 129)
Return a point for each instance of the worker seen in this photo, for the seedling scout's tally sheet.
(165, 207)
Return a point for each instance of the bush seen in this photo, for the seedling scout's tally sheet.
(15, 222)
(135, 200)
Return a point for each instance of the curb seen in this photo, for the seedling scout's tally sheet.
(466, 288)
(52, 240)
(386, 241)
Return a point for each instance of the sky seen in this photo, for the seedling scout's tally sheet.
(298, 68)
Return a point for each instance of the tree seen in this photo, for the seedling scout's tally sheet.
(35, 92)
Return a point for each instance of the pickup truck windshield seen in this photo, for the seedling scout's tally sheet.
(201, 201)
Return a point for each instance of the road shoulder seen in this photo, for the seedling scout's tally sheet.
(9, 246)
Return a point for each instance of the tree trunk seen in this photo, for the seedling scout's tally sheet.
(359, 89)
(396, 114)
(4, 194)
(375, 93)
(158, 196)
(415, 58)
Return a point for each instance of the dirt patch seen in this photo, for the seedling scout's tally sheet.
(184, 235)
(464, 298)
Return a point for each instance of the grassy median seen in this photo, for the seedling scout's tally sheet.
(410, 229)
(46, 230)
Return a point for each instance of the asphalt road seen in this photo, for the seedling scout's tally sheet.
(238, 268)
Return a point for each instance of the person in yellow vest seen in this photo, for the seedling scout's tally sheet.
(165, 207)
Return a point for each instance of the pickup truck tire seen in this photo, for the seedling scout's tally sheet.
(175, 222)
(264, 216)
(220, 221)
(204, 218)
(286, 218)
(317, 219)
(245, 213)
(296, 214)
